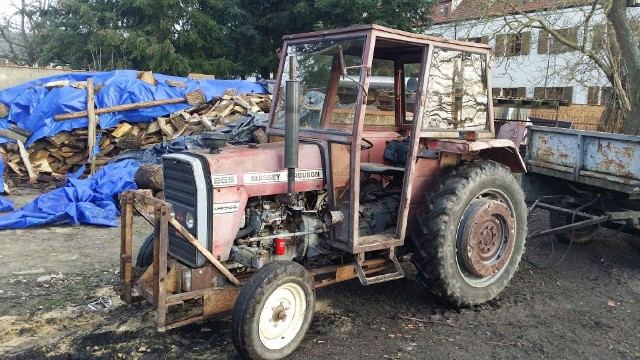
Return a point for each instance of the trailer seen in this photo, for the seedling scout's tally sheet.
(585, 179)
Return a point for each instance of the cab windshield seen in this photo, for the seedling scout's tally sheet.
(328, 72)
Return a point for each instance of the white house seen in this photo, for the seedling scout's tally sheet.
(530, 63)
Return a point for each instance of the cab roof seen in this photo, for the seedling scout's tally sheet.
(385, 32)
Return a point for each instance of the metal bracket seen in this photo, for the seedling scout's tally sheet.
(430, 154)
(396, 274)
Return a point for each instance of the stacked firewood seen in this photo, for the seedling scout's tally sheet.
(65, 152)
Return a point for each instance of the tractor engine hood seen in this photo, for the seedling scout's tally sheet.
(260, 168)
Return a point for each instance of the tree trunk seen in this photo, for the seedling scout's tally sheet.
(149, 176)
(630, 52)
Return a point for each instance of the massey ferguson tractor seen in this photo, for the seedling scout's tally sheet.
(380, 144)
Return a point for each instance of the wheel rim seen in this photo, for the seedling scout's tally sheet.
(282, 316)
(485, 238)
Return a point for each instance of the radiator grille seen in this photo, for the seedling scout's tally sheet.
(180, 191)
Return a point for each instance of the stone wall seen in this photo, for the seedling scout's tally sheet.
(583, 117)
(15, 75)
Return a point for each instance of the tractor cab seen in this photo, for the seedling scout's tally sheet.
(371, 98)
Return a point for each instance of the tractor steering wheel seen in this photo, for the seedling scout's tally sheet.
(366, 147)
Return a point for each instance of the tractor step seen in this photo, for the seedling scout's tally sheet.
(397, 272)
(375, 242)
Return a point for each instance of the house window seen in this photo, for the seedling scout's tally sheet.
(513, 44)
(548, 44)
(444, 10)
(514, 92)
(478, 40)
(598, 95)
(554, 93)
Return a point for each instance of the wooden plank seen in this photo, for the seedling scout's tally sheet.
(10, 134)
(126, 243)
(24, 155)
(162, 215)
(187, 235)
(195, 97)
(91, 141)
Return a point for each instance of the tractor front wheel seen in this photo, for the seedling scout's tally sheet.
(273, 311)
(471, 234)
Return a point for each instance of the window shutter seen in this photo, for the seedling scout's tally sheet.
(522, 92)
(598, 36)
(567, 94)
(543, 42)
(500, 45)
(484, 39)
(573, 34)
(538, 93)
(592, 97)
(526, 43)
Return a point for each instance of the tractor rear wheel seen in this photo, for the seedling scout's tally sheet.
(471, 233)
(273, 311)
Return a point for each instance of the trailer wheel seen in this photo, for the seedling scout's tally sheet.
(145, 254)
(580, 236)
(471, 234)
(273, 311)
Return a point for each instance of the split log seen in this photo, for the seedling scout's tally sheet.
(149, 176)
(147, 76)
(24, 155)
(122, 129)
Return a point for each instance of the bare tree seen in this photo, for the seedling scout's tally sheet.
(19, 30)
(602, 36)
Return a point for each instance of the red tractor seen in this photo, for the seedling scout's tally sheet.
(380, 144)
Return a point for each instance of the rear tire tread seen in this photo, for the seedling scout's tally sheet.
(430, 243)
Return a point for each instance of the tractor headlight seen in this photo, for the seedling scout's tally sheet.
(188, 220)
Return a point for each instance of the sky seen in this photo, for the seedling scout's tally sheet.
(5, 8)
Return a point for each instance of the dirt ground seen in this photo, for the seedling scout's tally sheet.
(586, 307)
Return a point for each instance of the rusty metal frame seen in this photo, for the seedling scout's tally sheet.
(158, 296)
(213, 300)
(550, 203)
(416, 125)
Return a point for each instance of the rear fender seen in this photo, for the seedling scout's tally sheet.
(503, 151)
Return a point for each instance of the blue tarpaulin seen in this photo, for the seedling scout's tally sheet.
(33, 107)
(5, 204)
(89, 201)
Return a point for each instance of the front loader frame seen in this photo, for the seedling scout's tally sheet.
(157, 283)
(160, 284)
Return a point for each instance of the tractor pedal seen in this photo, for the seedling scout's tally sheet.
(397, 272)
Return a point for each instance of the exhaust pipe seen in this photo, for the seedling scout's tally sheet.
(292, 125)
